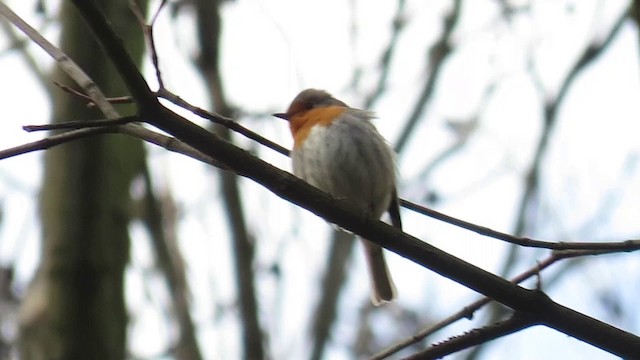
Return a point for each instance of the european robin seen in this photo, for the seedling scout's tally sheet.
(337, 149)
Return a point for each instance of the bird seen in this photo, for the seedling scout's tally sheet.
(336, 148)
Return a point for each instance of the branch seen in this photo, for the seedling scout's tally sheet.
(622, 246)
(71, 68)
(20, 43)
(49, 142)
(166, 142)
(169, 143)
(437, 54)
(147, 29)
(469, 310)
(164, 93)
(475, 337)
(90, 103)
(221, 120)
(387, 55)
(80, 124)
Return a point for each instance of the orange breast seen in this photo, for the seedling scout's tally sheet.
(302, 123)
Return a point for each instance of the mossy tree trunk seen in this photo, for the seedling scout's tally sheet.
(75, 306)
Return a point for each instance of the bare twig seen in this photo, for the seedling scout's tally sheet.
(621, 246)
(20, 43)
(90, 103)
(52, 141)
(437, 54)
(532, 176)
(384, 62)
(81, 124)
(222, 120)
(475, 337)
(164, 93)
(167, 142)
(70, 67)
(469, 310)
(147, 29)
(602, 247)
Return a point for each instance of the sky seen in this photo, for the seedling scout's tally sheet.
(274, 49)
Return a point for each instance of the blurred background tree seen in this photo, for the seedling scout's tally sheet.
(74, 307)
(519, 116)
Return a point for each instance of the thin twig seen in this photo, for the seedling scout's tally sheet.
(70, 67)
(168, 143)
(80, 124)
(147, 30)
(468, 311)
(437, 54)
(20, 44)
(90, 103)
(384, 63)
(222, 120)
(475, 337)
(621, 246)
(51, 141)
(142, 133)
(164, 93)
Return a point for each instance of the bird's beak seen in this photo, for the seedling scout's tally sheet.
(282, 116)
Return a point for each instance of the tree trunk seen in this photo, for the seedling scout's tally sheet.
(75, 308)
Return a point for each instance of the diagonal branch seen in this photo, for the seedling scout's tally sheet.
(20, 43)
(621, 246)
(222, 120)
(469, 310)
(166, 142)
(52, 141)
(437, 54)
(517, 322)
(70, 67)
(384, 62)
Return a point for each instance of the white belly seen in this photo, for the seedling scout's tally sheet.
(350, 160)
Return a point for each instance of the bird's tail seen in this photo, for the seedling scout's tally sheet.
(382, 287)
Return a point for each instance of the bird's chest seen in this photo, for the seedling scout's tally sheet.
(347, 159)
(325, 151)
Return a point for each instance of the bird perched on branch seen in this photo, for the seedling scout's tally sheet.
(337, 149)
